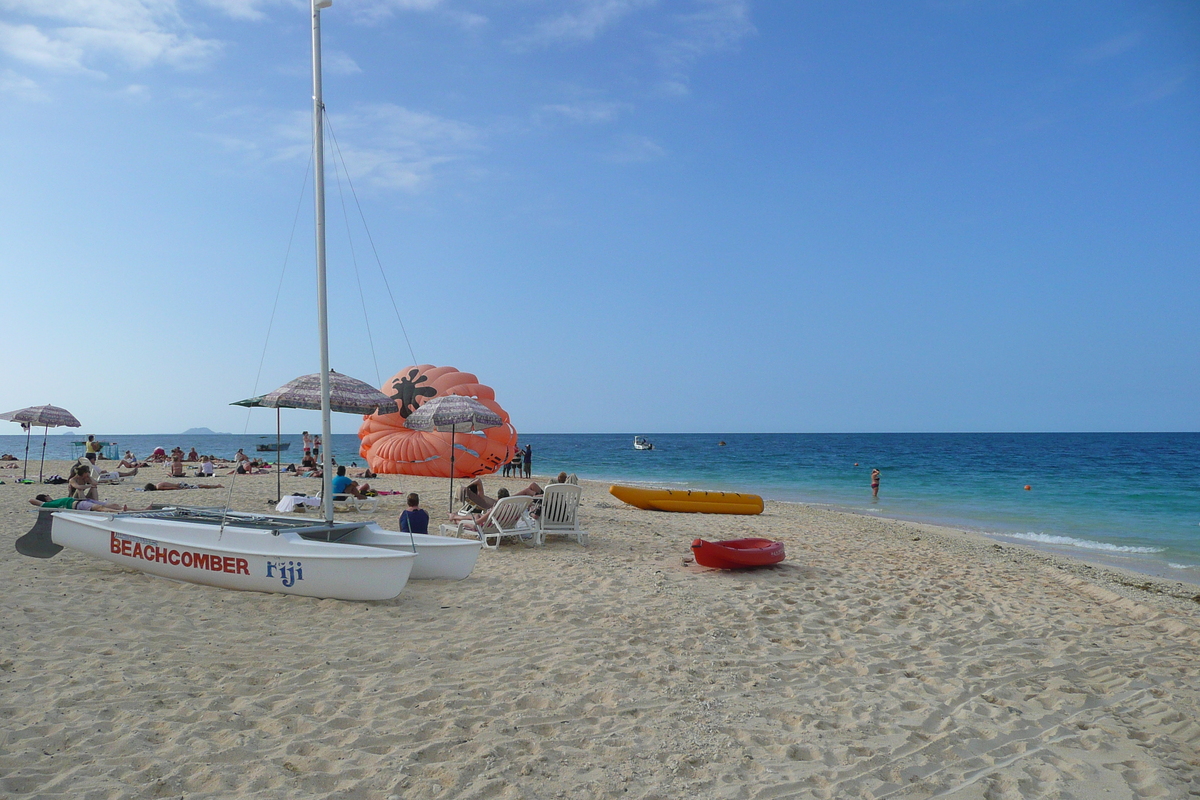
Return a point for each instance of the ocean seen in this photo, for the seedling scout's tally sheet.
(1127, 499)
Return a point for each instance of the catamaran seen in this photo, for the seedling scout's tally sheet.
(256, 552)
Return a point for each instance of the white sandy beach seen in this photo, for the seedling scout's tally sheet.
(882, 660)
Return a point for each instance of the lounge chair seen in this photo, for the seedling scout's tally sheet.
(560, 513)
(509, 517)
(354, 503)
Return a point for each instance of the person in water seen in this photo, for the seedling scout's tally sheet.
(875, 483)
(414, 519)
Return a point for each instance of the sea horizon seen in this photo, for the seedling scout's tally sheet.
(1124, 499)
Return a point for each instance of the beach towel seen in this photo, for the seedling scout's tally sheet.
(289, 503)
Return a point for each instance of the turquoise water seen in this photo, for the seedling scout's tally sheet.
(1131, 499)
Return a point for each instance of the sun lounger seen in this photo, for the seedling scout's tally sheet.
(509, 517)
(559, 515)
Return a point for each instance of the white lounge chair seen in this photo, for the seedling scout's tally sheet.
(559, 514)
(354, 503)
(509, 517)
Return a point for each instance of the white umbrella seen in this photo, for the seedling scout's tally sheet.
(454, 413)
(47, 417)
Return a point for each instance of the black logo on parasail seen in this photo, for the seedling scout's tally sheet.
(407, 391)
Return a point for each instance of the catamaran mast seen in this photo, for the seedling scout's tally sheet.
(322, 301)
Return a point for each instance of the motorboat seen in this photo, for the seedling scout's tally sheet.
(273, 447)
(642, 443)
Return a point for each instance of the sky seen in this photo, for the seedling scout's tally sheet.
(622, 215)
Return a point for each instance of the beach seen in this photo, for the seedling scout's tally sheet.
(882, 659)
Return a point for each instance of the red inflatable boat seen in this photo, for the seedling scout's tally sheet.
(737, 553)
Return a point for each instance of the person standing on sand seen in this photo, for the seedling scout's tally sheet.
(307, 443)
(528, 459)
(875, 483)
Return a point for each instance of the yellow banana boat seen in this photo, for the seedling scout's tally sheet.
(688, 500)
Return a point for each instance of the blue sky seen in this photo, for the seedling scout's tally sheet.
(623, 215)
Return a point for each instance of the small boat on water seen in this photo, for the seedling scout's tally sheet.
(688, 500)
(642, 443)
(737, 553)
(272, 447)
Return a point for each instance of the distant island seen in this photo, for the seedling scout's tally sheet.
(203, 432)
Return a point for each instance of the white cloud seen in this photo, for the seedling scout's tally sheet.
(586, 112)
(384, 145)
(338, 62)
(29, 45)
(87, 35)
(371, 11)
(136, 91)
(1110, 48)
(715, 26)
(636, 149)
(21, 87)
(244, 9)
(676, 39)
(586, 22)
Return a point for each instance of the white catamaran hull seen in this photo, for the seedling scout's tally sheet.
(256, 560)
(438, 557)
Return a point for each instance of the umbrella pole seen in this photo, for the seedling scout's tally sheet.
(45, 431)
(25, 466)
(452, 470)
(278, 479)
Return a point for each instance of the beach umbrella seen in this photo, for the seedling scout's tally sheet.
(46, 417)
(454, 413)
(346, 395)
(256, 402)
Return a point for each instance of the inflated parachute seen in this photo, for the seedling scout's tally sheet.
(391, 447)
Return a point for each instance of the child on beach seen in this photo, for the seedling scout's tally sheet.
(414, 519)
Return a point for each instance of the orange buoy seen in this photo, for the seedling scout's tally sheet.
(1028, 487)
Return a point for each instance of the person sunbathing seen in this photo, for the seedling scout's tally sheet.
(66, 503)
(475, 521)
(473, 493)
(168, 486)
(115, 476)
(343, 485)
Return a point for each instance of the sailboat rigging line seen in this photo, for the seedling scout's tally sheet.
(282, 274)
(354, 257)
(379, 262)
(271, 322)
